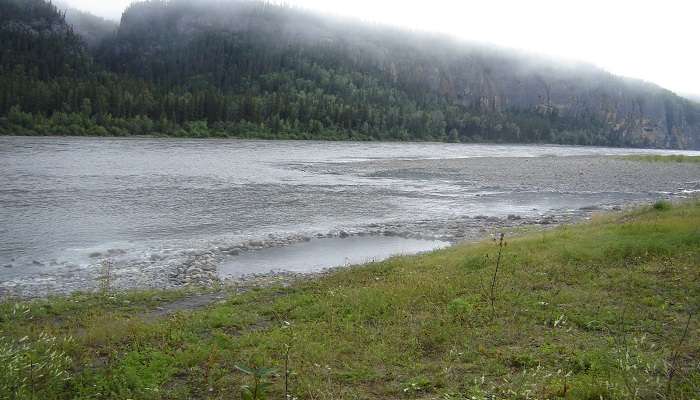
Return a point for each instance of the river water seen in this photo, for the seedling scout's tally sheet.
(66, 204)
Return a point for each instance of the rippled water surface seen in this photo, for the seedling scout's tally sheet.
(67, 203)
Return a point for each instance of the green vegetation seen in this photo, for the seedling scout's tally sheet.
(256, 70)
(606, 309)
(662, 205)
(667, 159)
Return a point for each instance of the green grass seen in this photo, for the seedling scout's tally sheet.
(667, 159)
(590, 311)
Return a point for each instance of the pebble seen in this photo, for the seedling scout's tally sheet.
(199, 270)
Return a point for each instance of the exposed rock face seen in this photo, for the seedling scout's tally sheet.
(495, 81)
(636, 112)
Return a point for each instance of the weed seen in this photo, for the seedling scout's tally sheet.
(288, 345)
(261, 384)
(30, 368)
(672, 364)
(462, 308)
(105, 278)
(418, 385)
(494, 278)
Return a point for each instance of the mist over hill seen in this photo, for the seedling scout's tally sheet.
(91, 28)
(693, 97)
(251, 69)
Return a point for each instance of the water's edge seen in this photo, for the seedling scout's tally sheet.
(206, 269)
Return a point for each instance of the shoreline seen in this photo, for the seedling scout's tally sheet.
(200, 271)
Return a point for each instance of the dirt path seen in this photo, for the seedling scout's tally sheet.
(198, 301)
(190, 303)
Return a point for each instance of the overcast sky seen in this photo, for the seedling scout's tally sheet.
(654, 40)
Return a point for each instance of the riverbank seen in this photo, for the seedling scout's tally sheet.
(601, 309)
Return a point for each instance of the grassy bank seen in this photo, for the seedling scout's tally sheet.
(599, 310)
(659, 158)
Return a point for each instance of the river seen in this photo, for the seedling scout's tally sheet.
(67, 204)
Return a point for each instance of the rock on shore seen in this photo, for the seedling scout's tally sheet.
(199, 270)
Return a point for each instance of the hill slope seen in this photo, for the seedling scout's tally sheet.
(247, 68)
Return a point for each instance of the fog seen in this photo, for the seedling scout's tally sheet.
(650, 40)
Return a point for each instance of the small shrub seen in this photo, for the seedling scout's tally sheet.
(261, 384)
(462, 307)
(662, 205)
(418, 385)
(521, 361)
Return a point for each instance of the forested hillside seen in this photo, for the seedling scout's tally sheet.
(251, 69)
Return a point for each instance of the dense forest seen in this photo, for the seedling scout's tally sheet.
(239, 68)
